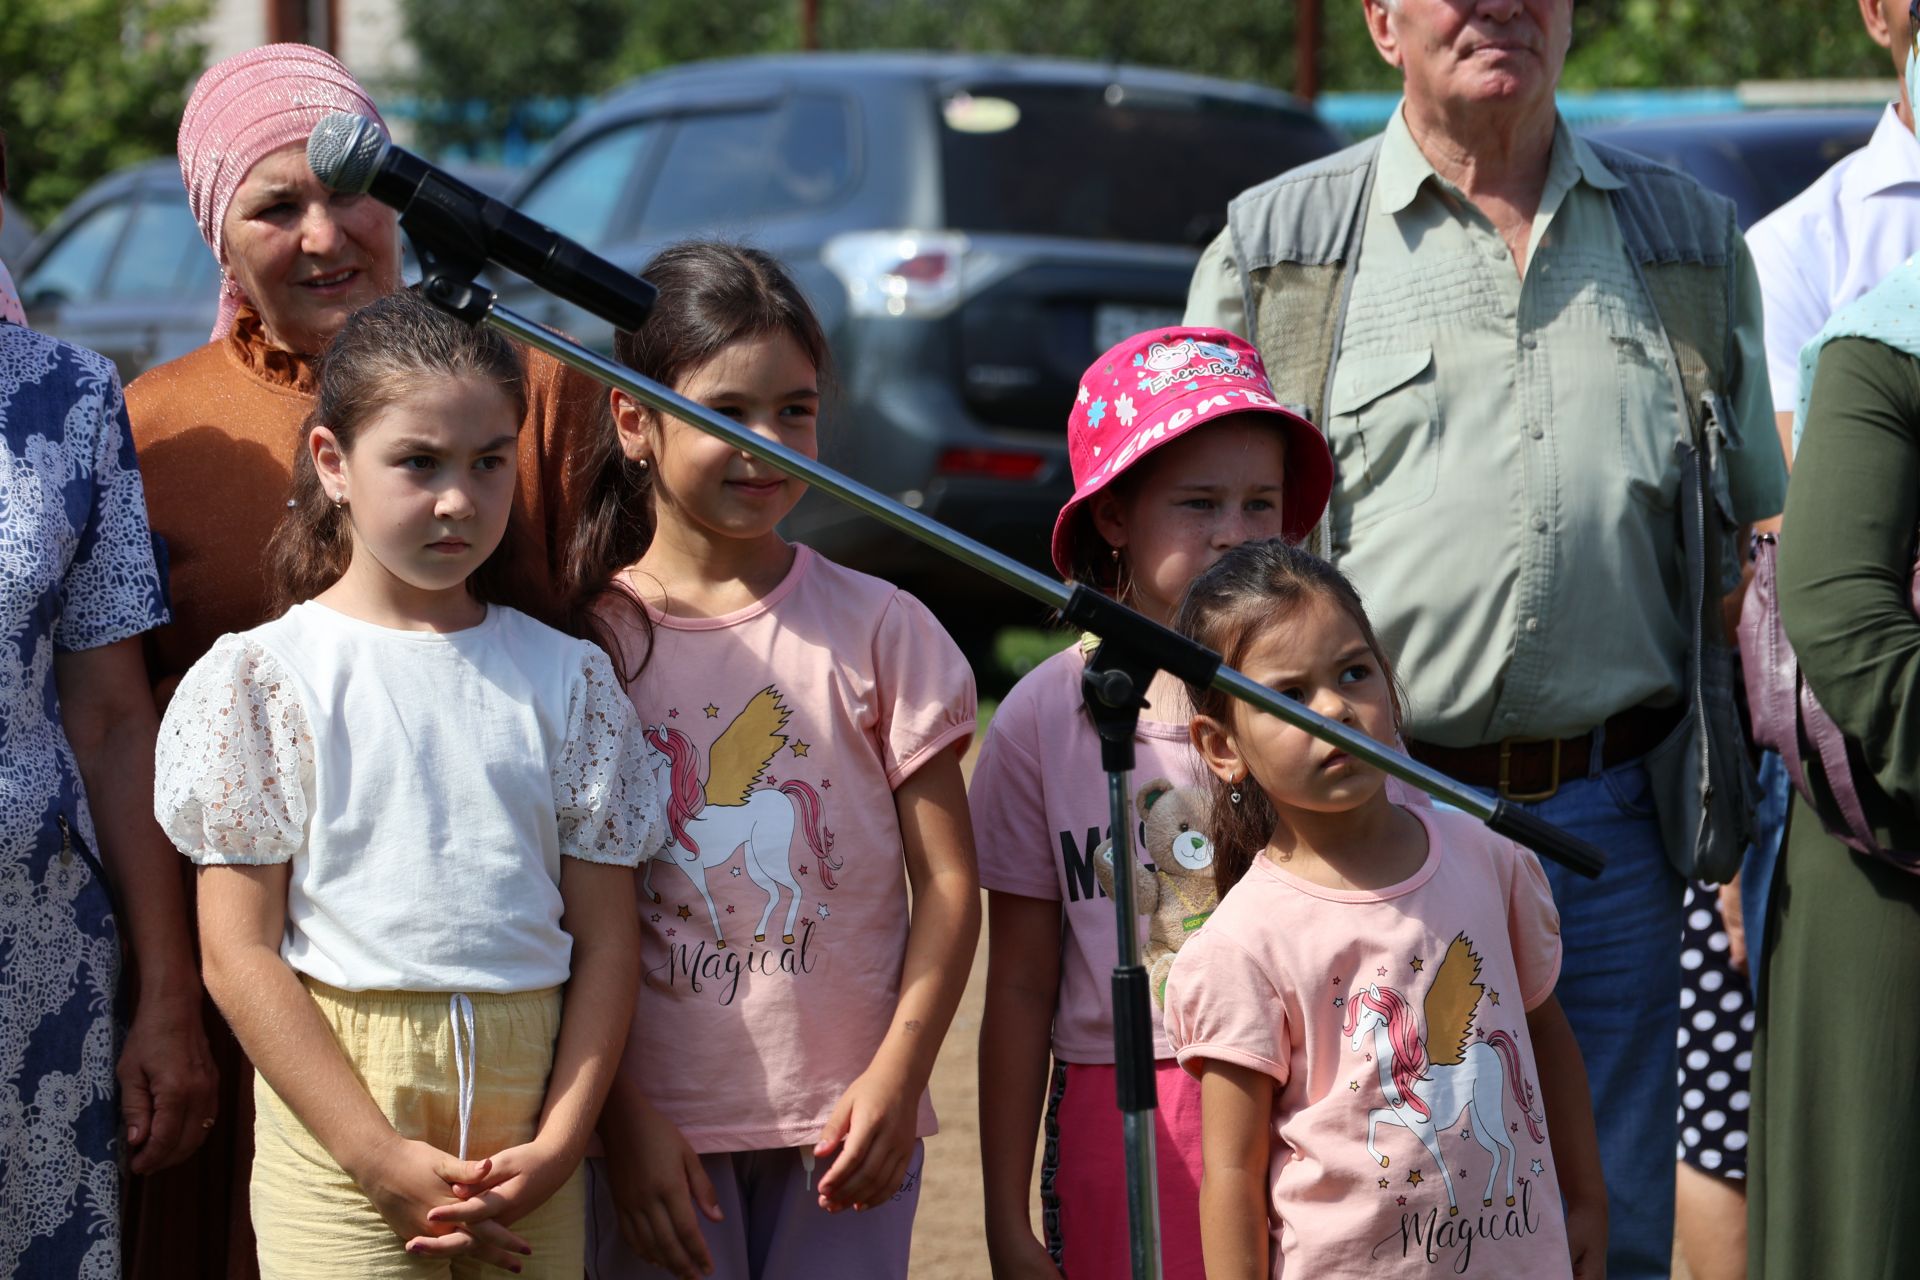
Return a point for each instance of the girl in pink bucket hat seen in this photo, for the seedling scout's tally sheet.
(1179, 453)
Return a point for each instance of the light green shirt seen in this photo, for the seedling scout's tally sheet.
(1504, 448)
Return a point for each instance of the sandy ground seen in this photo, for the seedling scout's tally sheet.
(948, 1243)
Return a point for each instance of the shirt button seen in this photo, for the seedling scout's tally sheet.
(1533, 624)
(1529, 342)
(1539, 524)
(1536, 433)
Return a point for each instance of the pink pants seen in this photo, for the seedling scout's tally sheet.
(772, 1227)
(1083, 1177)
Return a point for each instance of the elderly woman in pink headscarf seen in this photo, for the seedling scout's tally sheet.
(217, 432)
(217, 428)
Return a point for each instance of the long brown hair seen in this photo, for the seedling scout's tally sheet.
(712, 295)
(385, 351)
(1246, 590)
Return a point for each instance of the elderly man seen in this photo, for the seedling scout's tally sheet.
(1504, 331)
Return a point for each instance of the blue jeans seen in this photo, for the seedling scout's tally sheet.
(1763, 858)
(1620, 987)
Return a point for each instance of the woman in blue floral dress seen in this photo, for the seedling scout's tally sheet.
(79, 1100)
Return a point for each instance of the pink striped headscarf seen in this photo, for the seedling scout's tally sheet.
(244, 109)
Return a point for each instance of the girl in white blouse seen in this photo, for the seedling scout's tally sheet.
(416, 812)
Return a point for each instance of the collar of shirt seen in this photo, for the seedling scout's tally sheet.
(1403, 168)
(1891, 159)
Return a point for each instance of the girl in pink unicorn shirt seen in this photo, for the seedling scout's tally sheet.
(1370, 1007)
(811, 721)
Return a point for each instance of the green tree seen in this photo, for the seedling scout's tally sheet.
(486, 66)
(480, 60)
(1636, 44)
(87, 86)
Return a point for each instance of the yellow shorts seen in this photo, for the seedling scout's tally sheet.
(312, 1220)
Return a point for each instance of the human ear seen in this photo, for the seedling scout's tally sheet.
(1380, 27)
(1108, 512)
(329, 463)
(634, 424)
(1218, 750)
(1879, 30)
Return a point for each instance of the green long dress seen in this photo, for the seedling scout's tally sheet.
(1834, 1177)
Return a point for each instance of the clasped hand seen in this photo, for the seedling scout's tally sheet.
(442, 1206)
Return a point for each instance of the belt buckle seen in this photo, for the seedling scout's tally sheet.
(1506, 791)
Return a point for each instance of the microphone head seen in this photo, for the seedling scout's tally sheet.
(344, 151)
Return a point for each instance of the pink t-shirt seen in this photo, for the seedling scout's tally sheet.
(774, 920)
(1039, 802)
(1395, 1022)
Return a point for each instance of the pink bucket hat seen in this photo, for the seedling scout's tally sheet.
(1157, 386)
(245, 108)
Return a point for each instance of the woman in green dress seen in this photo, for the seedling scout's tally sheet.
(1834, 1185)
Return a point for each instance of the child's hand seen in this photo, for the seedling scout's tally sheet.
(517, 1181)
(872, 1126)
(657, 1182)
(1587, 1238)
(1022, 1258)
(407, 1180)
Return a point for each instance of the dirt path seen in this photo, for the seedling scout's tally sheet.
(948, 1243)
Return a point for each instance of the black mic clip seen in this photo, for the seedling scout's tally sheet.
(448, 280)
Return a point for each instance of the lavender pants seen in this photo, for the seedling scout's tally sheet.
(773, 1227)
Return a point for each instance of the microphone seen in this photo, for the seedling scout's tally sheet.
(445, 216)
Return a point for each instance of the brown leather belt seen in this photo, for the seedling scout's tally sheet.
(1531, 769)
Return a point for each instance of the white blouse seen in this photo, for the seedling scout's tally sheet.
(424, 785)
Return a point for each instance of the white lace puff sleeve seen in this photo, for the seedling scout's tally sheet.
(234, 762)
(603, 780)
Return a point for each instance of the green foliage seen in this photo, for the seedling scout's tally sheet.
(1639, 44)
(498, 54)
(87, 86)
(482, 61)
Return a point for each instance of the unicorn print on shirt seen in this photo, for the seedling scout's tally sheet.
(732, 811)
(1432, 1085)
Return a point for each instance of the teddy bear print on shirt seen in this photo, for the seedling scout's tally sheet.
(1177, 892)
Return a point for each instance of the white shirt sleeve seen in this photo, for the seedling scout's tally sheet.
(234, 760)
(1795, 305)
(603, 777)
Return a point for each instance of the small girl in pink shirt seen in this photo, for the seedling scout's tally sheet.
(1371, 1006)
(1179, 452)
(810, 722)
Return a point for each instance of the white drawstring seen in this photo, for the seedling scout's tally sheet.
(466, 1060)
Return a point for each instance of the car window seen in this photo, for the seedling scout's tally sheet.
(162, 256)
(1786, 165)
(737, 166)
(71, 270)
(579, 196)
(1156, 168)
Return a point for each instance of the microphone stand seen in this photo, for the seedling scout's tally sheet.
(1132, 648)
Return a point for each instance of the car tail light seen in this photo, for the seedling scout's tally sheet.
(992, 464)
(907, 273)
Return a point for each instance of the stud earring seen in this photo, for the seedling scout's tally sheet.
(643, 464)
(1114, 552)
(339, 501)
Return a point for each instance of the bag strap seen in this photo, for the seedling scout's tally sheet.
(1836, 766)
(1830, 748)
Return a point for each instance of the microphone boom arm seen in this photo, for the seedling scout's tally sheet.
(1113, 622)
(456, 231)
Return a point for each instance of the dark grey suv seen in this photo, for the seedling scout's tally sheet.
(973, 231)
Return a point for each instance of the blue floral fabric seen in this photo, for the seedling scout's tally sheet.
(76, 571)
